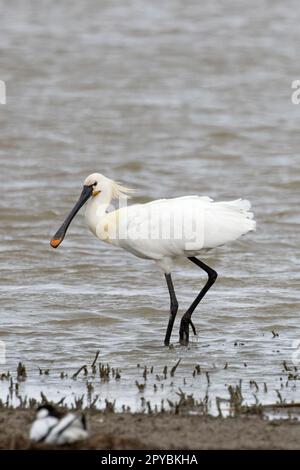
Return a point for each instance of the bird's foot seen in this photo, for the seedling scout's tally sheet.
(193, 328)
(184, 333)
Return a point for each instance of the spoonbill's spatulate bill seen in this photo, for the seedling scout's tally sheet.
(162, 231)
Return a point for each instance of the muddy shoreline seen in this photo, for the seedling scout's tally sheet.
(112, 431)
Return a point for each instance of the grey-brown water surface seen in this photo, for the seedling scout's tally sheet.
(172, 98)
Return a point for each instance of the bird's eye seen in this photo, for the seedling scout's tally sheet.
(94, 184)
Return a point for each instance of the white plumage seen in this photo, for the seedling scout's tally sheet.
(42, 424)
(51, 428)
(161, 230)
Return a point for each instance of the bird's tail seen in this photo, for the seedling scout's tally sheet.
(241, 207)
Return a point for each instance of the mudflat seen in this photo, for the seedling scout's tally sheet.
(160, 431)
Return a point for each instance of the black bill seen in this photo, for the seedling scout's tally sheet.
(61, 232)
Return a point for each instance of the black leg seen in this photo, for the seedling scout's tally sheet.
(186, 319)
(173, 308)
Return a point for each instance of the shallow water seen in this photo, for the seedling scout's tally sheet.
(172, 99)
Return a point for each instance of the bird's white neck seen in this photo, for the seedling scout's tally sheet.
(96, 208)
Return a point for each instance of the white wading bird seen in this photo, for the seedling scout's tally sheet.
(162, 231)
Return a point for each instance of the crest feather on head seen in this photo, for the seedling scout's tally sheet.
(118, 190)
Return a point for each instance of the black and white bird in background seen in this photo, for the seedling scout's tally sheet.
(52, 427)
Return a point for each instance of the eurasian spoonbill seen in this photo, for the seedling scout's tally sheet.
(162, 230)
